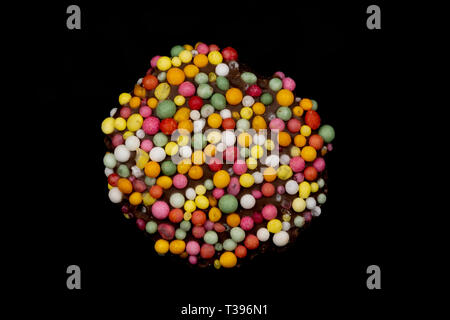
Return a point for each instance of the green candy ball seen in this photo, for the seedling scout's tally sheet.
(207, 110)
(249, 77)
(180, 234)
(211, 237)
(321, 198)
(314, 104)
(284, 113)
(243, 124)
(175, 51)
(162, 76)
(229, 245)
(185, 225)
(150, 181)
(275, 84)
(160, 139)
(299, 221)
(201, 77)
(109, 160)
(222, 83)
(218, 101)
(205, 91)
(166, 109)
(198, 141)
(321, 183)
(168, 168)
(218, 246)
(209, 184)
(244, 153)
(151, 227)
(266, 98)
(237, 234)
(228, 203)
(327, 133)
(123, 171)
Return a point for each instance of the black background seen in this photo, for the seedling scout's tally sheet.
(333, 58)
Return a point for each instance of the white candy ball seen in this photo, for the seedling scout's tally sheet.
(225, 113)
(222, 69)
(228, 137)
(140, 81)
(281, 238)
(115, 195)
(316, 211)
(132, 143)
(248, 201)
(108, 171)
(194, 52)
(190, 193)
(291, 187)
(112, 112)
(195, 115)
(199, 124)
(263, 234)
(259, 139)
(310, 203)
(135, 171)
(286, 225)
(248, 101)
(285, 159)
(272, 161)
(220, 147)
(140, 134)
(185, 152)
(258, 176)
(121, 153)
(157, 154)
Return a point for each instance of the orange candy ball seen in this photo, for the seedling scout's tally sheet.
(316, 141)
(198, 218)
(285, 97)
(240, 251)
(233, 220)
(156, 191)
(124, 185)
(175, 76)
(201, 60)
(195, 172)
(152, 169)
(284, 139)
(176, 215)
(233, 96)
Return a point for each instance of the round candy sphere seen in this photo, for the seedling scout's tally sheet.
(248, 201)
(281, 238)
(228, 203)
(237, 234)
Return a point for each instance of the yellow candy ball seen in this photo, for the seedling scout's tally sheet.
(304, 189)
(314, 187)
(298, 204)
(124, 98)
(252, 163)
(200, 189)
(246, 180)
(274, 226)
(214, 214)
(176, 62)
(217, 264)
(269, 144)
(120, 123)
(244, 139)
(179, 101)
(228, 259)
(134, 122)
(164, 182)
(198, 157)
(171, 148)
(183, 140)
(210, 150)
(135, 198)
(305, 130)
(184, 166)
(215, 57)
(257, 151)
(177, 246)
(202, 202)
(190, 206)
(284, 172)
(162, 246)
(295, 151)
(187, 216)
(259, 108)
(162, 91)
(109, 186)
(188, 47)
(127, 134)
(246, 113)
(148, 199)
(142, 158)
(212, 77)
(214, 137)
(164, 63)
(215, 120)
(108, 125)
(235, 115)
(185, 56)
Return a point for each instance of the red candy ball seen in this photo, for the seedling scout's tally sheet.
(195, 103)
(207, 251)
(168, 126)
(268, 189)
(139, 185)
(316, 141)
(176, 215)
(229, 54)
(219, 227)
(166, 231)
(240, 251)
(254, 91)
(150, 82)
(312, 119)
(251, 242)
(198, 218)
(294, 125)
(113, 178)
(125, 112)
(310, 173)
(198, 232)
(228, 123)
(257, 217)
(215, 164)
(213, 47)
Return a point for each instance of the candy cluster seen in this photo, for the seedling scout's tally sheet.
(214, 162)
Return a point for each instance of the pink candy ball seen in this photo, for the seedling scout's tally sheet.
(294, 125)
(254, 90)
(281, 190)
(257, 194)
(117, 139)
(202, 48)
(145, 111)
(198, 231)
(247, 223)
(289, 84)
(218, 193)
(125, 112)
(240, 167)
(180, 181)
(140, 223)
(280, 75)
(299, 177)
(193, 248)
(192, 259)
(269, 212)
(257, 217)
(154, 60)
(213, 47)
(277, 124)
(319, 164)
(160, 210)
(209, 225)
(146, 145)
(297, 164)
(234, 187)
(151, 125)
(186, 89)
